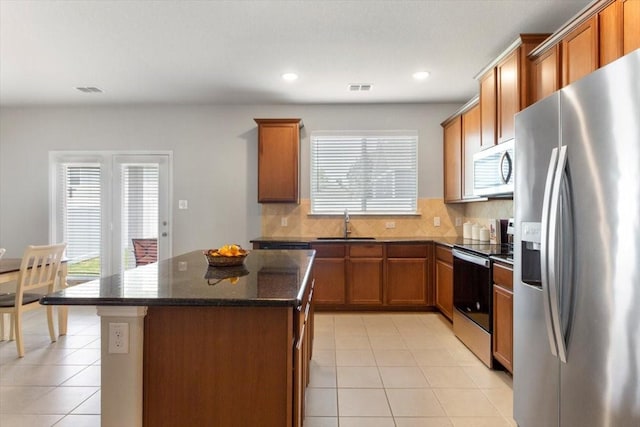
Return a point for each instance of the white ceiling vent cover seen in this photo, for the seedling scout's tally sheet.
(89, 89)
(360, 87)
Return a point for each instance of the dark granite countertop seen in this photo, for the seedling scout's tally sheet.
(447, 241)
(441, 240)
(267, 278)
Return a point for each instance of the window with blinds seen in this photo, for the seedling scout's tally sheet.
(79, 217)
(366, 173)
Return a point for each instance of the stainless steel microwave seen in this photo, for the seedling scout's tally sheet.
(493, 171)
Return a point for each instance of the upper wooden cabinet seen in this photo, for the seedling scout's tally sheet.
(618, 30)
(488, 108)
(278, 159)
(452, 149)
(471, 144)
(630, 25)
(546, 73)
(610, 33)
(462, 140)
(510, 73)
(580, 51)
(605, 31)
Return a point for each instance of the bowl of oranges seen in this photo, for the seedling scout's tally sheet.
(226, 256)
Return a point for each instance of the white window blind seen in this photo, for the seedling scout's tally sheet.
(79, 217)
(366, 173)
(140, 192)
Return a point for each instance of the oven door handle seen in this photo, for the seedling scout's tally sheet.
(471, 258)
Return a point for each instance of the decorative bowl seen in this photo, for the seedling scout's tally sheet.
(224, 261)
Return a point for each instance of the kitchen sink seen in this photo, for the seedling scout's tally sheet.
(346, 238)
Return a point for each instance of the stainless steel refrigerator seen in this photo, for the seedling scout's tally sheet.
(577, 253)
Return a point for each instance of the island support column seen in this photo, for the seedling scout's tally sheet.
(121, 373)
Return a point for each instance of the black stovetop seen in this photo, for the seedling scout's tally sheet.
(486, 249)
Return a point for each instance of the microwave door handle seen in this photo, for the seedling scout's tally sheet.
(505, 157)
(544, 251)
(555, 255)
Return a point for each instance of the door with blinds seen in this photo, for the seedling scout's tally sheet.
(141, 208)
(103, 203)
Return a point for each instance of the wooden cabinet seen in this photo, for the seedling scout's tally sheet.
(546, 73)
(610, 33)
(503, 315)
(580, 51)
(278, 160)
(509, 77)
(373, 276)
(488, 108)
(408, 274)
(444, 280)
(302, 350)
(508, 96)
(471, 144)
(452, 156)
(618, 30)
(364, 274)
(630, 25)
(329, 274)
(220, 366)
(607, 30)
(461, 141)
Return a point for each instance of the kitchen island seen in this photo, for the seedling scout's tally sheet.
(184, 344)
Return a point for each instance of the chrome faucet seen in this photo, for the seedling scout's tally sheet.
(346, 224)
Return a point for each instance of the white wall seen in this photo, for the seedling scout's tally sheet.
(214, 159)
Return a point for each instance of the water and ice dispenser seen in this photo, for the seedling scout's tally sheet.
(530, 252)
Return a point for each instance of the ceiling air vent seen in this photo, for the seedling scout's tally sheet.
(89, 89)
(360, 87)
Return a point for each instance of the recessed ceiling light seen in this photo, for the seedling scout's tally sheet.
(289, 77)
(420, 75)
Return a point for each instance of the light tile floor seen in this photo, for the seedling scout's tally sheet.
(55, 383)
(400, 370)
(373, 370)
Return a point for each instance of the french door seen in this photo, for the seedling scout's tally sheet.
(102, 201)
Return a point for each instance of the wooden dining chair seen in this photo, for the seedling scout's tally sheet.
(145, 251)
(38, 273)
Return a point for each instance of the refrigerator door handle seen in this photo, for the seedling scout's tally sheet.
(554, 255)
(544, 251)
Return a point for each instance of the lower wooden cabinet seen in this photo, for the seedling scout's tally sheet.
(503, 315)
(409, 275)
(365, 281)
(329, 269)
(302, 350)
(373, 275)
(444, 280)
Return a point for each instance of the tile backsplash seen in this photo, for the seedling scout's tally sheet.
(481, 212)
(300, 223)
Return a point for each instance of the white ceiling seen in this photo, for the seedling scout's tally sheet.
(233, 52)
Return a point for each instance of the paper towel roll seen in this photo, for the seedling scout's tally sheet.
(466, 230)
(484, 234)
(475, 232)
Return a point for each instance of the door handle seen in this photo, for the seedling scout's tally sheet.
(554, 254)
(544, 251)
